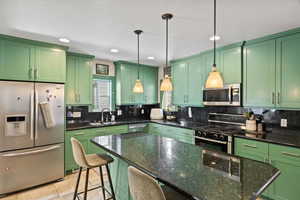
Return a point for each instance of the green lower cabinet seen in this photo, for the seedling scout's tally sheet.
(286, 159)
(84, 136)
(179, 134)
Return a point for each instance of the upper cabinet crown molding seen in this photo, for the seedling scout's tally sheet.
(34, 42)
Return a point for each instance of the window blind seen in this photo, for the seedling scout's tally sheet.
(102, 94)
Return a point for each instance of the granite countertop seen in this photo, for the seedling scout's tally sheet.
(201, 173)
(85, 125)
(281, 136)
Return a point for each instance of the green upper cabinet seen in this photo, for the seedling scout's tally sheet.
(16, 60)
(28, 60)
(288, 70)
(180, 82)
(150, 83)
(259, 74)
(231, 64)
(189, 76)
(127, 74)
(79, 79)
(50, 65)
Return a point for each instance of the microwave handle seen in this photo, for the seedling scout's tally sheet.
(230, 94)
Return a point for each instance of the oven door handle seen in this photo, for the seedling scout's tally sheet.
(230, 95)
(211, 140)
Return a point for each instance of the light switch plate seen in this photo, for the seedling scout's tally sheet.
(283, 123)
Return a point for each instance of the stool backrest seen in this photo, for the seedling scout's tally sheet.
(79, 153)
(143, 186)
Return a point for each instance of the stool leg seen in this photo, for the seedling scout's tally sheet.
(110, 183)
(102, 182)
(86, 183)
(77, 183)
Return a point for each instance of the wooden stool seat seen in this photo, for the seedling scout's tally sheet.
(91, 161)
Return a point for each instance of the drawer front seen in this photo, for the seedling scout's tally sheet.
(110, 130)
(251, 149)
(285, 154)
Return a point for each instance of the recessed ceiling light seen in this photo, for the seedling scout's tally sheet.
(64, 40)
(114, 50)
(212, 38)
(150, 58)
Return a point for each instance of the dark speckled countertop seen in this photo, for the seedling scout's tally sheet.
(201, 173)
(281, 136)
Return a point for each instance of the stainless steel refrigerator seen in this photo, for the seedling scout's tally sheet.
(31, 134)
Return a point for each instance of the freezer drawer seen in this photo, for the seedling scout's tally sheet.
(26, 168)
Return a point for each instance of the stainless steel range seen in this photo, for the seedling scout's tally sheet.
(218, 134)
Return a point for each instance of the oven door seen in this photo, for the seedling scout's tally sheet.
(212, 145)
(217, 97)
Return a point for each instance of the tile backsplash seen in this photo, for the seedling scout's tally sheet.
(270, 116)
(129, 112)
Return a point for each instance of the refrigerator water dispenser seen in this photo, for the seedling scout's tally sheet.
(15, 125)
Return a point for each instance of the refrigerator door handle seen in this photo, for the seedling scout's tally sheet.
(36, 113)
(32, 115)
(30, 152)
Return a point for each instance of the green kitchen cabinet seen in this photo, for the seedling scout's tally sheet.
(16, 61)
(189, 77)
(50, 65)
(27, 60)
(251, 149)
(196, 81)
(179, 134)
(287, 160)
(284, 158)
(127, 74)
(259, 74)
(287, 72)
(84, 136)
(79, 79)
(149, 77)
(231, 64)
(180, 82)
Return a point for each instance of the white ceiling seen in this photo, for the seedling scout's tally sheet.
(96, 26)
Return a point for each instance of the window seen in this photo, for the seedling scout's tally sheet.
(102, 94)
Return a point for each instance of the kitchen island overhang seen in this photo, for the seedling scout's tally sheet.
(196, 172)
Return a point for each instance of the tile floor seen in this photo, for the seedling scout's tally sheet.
(62, 190)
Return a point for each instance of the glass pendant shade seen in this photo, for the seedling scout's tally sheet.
(214, 79)
(138, 87)
(166, 84)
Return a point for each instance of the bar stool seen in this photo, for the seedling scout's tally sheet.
(143, 186)
(91, 161)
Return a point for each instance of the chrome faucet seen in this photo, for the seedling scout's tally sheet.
(104, 109)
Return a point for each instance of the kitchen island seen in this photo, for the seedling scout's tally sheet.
(194, 171)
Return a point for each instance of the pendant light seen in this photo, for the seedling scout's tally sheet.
(214, 79)
(166, 84)
(138, 86)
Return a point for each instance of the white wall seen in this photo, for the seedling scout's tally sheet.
(106, 62)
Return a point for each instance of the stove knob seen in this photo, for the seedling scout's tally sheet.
(216, 136)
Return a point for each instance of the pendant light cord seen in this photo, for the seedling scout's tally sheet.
(215, 27)
(167, 42)
(138, 46)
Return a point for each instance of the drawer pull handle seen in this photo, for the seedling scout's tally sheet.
(291, 154)
(251, 146)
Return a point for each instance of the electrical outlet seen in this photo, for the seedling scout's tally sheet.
(142, 111)
(119, 112)
(283, 123)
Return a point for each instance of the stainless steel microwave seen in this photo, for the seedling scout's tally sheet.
(229, 95)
